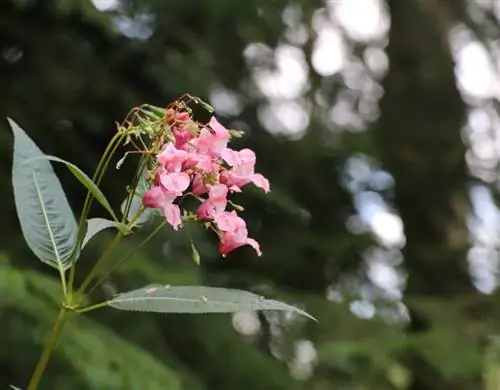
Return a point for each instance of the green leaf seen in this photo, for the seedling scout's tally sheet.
(195, 299)
(96, 225)
(86, 181)
(14, 387)
(47, 221)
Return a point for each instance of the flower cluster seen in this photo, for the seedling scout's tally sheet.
(196, 160)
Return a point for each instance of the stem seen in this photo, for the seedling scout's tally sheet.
(91, 308)
(47, 351)
(126, 257)
(98, 174)
(104, 256)
(106, 253)
(135, 183)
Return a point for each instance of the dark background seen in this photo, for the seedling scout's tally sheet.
(377, 125)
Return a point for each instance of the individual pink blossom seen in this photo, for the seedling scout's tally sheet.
(213, 143)
(182, 137)
(221, 136)
(159, 197)
(198, 185)
(175, 182)
(234, 233)
(203, 162)
(172, 158)
(215, 204)
(243, 170)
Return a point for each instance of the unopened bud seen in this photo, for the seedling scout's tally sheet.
(237, 207)
(236, 133)
(151, 115)
(158, 111)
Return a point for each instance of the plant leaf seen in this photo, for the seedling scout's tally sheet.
(47, 221)
(96, 225)
(86, 181)
(14, 387)
(195, 299)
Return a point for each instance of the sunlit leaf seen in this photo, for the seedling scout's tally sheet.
(46, 218)
(195, 299)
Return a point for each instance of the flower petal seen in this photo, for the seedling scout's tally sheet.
(175, 182)
(260, 181)
(173, 215)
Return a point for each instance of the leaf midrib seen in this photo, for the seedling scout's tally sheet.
(178, 299)
(47, 222)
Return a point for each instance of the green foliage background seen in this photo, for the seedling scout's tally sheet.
(67, 74)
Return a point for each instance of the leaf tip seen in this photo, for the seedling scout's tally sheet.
(306, 314)
(13, 125)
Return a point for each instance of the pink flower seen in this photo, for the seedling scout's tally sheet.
(235, 233)
(176, 182)
(159, 197)
(220, 138)
(172, 158)
(242, 172)
(182, 137)
(213, 143)
(199, 186)
(215, 204)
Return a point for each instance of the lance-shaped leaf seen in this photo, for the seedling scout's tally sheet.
(195, 299)
(47, 221)
(97, 225)
(85, 180)
(14, 387)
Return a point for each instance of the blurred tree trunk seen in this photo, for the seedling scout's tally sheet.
(419, 138)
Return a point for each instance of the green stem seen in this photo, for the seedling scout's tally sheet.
(91, 308)
(137, 178)
(126, 257)
(47, 351)
(94, 270)
(102, 259)
(98, 174)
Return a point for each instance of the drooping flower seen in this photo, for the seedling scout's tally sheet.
(243, 170)
(234, 233)
(215, 204)
(159, 197)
